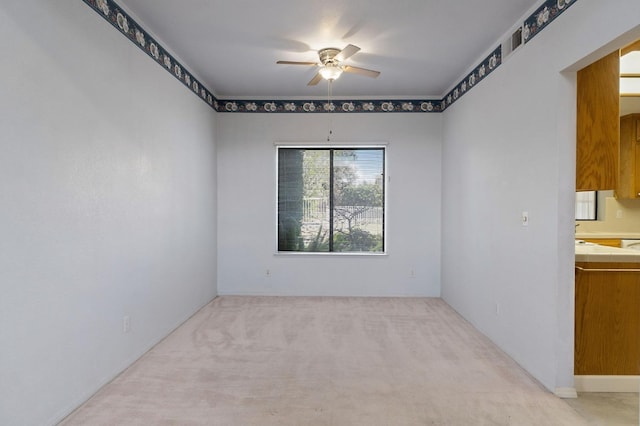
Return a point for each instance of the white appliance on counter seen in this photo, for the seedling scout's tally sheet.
(630, 244)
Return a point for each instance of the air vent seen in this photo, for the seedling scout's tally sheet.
(516, 39)
(512, 43)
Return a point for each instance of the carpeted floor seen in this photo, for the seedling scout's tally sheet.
(325, 361)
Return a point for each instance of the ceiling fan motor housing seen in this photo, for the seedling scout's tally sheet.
(327, 56)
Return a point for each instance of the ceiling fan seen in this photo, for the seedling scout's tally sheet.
(330, 64)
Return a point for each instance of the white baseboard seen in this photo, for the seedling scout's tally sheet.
(566, 393)
(607, 383)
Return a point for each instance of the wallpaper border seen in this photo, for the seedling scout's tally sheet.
(128, 27)
(120, 20)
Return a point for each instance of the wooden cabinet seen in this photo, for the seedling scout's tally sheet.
(607, 319)
(629, 182)
(609, 242)
(598, 119)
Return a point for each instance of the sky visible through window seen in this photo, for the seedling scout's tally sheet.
(367, 165)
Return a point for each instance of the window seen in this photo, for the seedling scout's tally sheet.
(586, 206)
(331, 199)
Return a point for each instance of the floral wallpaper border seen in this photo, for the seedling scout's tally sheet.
(480, 72)
(543, 16)
(120, 20)
(335, 105)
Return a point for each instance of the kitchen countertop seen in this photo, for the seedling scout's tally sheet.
(589, 252)
(608, 235)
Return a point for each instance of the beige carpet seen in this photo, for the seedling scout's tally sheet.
(325, 361)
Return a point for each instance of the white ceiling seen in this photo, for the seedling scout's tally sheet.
(421, 47)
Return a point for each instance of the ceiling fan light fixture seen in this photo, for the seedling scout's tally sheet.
(330, 72)
(330, 67)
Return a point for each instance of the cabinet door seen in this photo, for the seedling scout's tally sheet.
(607, 319)
(598, 124)
(629, 184)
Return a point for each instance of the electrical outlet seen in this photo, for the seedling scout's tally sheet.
(126, 324)
(267, 273)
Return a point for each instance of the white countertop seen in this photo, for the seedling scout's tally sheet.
(589, 252)
(608, 235)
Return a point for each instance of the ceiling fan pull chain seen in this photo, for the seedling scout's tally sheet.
(329, 111)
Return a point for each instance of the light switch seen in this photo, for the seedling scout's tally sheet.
(525, 218)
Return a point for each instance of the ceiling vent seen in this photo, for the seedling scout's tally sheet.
(512, 43)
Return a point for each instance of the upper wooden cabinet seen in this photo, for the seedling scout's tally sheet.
(629, 184)
(598, 119)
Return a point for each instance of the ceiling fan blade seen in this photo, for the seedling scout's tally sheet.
(347, 52)
(361, 71)
(296, 63)
(315, 80)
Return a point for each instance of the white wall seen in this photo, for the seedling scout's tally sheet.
(616, 216)
(509, 147)
(247, 207)
(107, 206)
(629, 105)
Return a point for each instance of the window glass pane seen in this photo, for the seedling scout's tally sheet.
(290, 190)
(358, 200)
(586, 205)
(315, 212)
(331, 199)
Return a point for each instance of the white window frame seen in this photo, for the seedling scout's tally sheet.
(341, 145)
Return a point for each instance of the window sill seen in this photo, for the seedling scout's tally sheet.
(328, 254)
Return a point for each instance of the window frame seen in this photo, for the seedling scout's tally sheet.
(327, 146)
